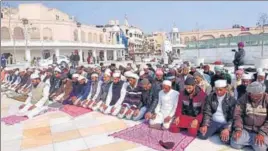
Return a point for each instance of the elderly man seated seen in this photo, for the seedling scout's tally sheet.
(241, 89)
(102, 95)
(166, 107)
(132, 101)
(115, 97)
(95, 88)
(37, 98)
(250, 119)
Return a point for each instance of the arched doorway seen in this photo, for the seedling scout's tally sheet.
(101, 55)
(18, 33)
(5, 35)
(46, 53)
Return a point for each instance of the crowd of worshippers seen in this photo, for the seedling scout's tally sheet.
(175, 98)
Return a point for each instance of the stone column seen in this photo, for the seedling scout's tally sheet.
(94, 54)
(57, 52)
(79, 34)
(28, 55)
(80, 52)
(105, 55)
(115, 55)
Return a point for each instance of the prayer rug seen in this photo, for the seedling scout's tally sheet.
(149, 137)
(14, 119)
(74, 111)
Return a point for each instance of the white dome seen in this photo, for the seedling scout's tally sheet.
(116, 28)
(175, 29)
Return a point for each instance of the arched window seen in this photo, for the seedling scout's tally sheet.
(95, 38)
(75, 34)
(186, 39)
(83, 36)
(230, 35)
(5, 35)
(222, 36)
(193, 38)
(101, 38)
(89, 37)
(18, 33)
(35, 33)
(47, 34)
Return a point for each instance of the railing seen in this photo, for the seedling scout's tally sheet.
(249, 40)
(61, 43)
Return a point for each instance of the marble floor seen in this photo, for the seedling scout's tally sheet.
(57, 131)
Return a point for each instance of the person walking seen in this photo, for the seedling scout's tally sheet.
(3, 61)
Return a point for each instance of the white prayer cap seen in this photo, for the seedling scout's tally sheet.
(34, 76)
(81, 78)
(94, 75)
(75, 75)
(108, 70)
(220, 83)
(17, 72)
(259, 70)
(145, 66)
(117, 71)
(30, 69)
(116, 75)
(170, 66)
(133, 75)
(142, 73)
(57, 70)
(50, 66)
(261, 73)
(247, 76)
(107, 73)
(167, 82)
(127, 73)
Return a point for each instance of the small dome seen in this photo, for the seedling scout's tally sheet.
(175, 29)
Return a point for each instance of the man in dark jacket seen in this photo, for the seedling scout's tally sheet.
(76, 59)
(55, 82)
(148, 102)
(189, 112)
(208, 71)
(239, 56)
(218, 113)
(84, 84)
(250, 119)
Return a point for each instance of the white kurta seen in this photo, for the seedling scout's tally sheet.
(39, 105)
(166, 106)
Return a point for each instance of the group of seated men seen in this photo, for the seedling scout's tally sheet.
(173, 98)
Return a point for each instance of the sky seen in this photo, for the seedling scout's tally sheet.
(153, 16)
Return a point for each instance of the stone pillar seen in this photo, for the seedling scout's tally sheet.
(114, 38)
(79, 34)
(80, 52)
(105, 55)
(28, 55)
(115, 55)
(94, 54)
(57, 52)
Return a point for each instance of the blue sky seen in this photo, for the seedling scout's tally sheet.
(159, 15)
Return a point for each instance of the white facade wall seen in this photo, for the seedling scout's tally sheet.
(224, 54)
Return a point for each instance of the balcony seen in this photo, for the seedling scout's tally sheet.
(38, 43)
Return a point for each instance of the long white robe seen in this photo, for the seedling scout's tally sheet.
(166, 106)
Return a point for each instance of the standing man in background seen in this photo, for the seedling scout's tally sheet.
(239, 56)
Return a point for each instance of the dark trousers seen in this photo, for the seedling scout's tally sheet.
(213, 128)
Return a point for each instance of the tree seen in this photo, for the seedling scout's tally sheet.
(262, 21)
